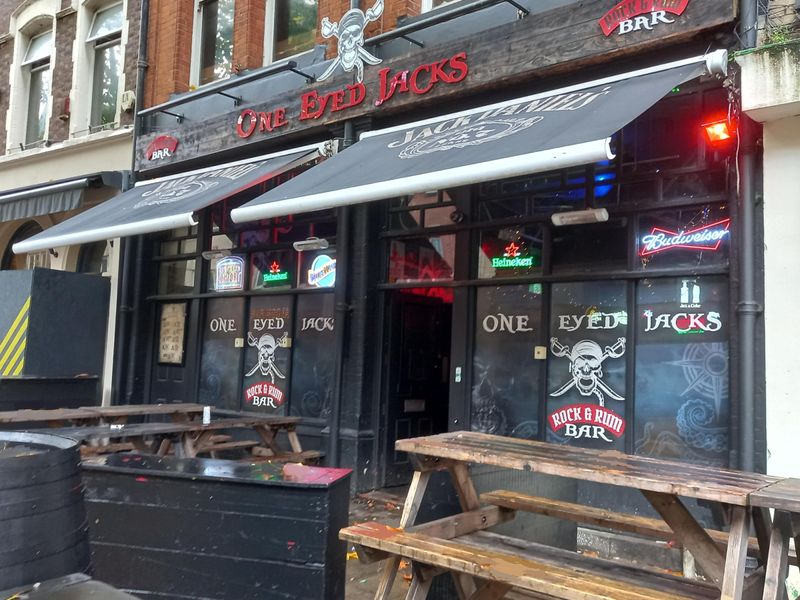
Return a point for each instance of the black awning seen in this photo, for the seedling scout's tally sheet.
(561, 128)
(50, 198)
(165, 203)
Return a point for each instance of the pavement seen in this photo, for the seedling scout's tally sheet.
(362, 579)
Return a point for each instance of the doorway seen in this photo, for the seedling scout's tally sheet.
(417, 367)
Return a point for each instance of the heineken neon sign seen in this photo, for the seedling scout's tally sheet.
(275, 274)
(511, 258)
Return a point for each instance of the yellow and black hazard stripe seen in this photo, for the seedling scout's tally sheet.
(12, 346)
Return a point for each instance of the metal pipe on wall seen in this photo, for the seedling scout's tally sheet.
(748, 309)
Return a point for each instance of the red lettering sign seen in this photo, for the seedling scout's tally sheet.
(587, 414)
(629, 9)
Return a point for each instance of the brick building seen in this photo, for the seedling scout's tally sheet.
(67, 96)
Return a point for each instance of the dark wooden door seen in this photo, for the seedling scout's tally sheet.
(417, 366)
(174, 381)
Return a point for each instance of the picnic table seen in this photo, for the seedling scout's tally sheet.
(107, 429)
(486, 565)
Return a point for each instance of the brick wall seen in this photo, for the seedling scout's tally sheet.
(61, 65)
(248, 34)
(169, 51)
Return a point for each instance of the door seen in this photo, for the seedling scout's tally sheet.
(173, 364)
(417, 365)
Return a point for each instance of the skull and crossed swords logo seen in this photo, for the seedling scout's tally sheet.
(350, 33)
(266, 345)
(586, 367)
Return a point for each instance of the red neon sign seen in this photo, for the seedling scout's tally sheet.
(707, 237)
(512, 250)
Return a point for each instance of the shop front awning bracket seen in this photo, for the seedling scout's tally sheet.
(413, 41)
(309, 78)
(178, 116)
(237, 100)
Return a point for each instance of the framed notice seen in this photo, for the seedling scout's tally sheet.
(171, 333)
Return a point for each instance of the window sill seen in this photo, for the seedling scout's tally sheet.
(101, 137)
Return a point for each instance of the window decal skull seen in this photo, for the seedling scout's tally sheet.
(586, 367)
(350, 33)
(267, 344)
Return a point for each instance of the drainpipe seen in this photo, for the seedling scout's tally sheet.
(748, 309)
(342, 309)
(122, 349)
(342, 313)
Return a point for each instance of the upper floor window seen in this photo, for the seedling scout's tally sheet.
(105, 35)
(293, 28)
(36, 67)
(215, 40)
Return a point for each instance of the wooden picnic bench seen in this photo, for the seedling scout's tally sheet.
(486, 565)
(95, 415)
(195, 438)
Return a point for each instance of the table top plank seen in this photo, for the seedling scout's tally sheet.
(601, 466)
(97, 412)
(89, 433)
(781, 495)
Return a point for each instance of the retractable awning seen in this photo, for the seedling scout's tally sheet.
(552, 130)
(50, 198)
(166, 203)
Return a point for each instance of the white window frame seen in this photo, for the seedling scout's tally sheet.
(27, 68)
(427, 5)
(197, 45)
(93, 47)
(269, 34)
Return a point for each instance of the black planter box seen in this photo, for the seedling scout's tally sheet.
(203, 528)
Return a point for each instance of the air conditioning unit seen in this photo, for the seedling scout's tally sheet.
(128, 100)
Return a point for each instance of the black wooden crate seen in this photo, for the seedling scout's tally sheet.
(217, 529)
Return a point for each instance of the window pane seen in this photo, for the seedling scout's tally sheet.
(317, 269)
(586, 369)
(684, 238)
(37, 105)
(270, 270)
(510, 252)
(314, 362)
(422, 259)
(216, 43)
(506, 376)
(682, 369)
(586, 248)
(106, 22)
(226, 273)
(105, 85)
(176, 277)
(38, 48)
(221, 359)
(295, 27)
(268, 356)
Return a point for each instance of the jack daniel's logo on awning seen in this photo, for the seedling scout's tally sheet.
(636, 15)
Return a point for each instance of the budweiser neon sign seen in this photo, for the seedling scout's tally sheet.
(631, 13)
(708, 237)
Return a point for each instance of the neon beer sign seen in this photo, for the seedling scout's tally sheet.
(708, 237)
(511, 258)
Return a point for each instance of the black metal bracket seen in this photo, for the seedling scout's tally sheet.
(417, 42)
(523, 12)
(309, 78)
(237, 100)
(178, 116)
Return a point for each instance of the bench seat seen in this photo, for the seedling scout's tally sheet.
(549, 572)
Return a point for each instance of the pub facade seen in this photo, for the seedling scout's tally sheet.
(519, 218)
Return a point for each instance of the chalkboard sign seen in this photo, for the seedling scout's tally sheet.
(171, 333)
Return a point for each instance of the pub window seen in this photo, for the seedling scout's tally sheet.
(513, 251)
(682, 369)
(506, 376)
(105, 35)
(214, 40)
(313, 378)
(291, 28)
(93, 258)
(426, 258)
(36, 69)
(692, 237)
(582, 248)
(177, 262)
(427, 209)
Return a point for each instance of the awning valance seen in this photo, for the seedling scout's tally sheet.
(50, 198)
(552, 130)
(166, 203)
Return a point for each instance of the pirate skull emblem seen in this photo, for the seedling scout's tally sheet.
(350, 33)
(266, 345)
(586, 367)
